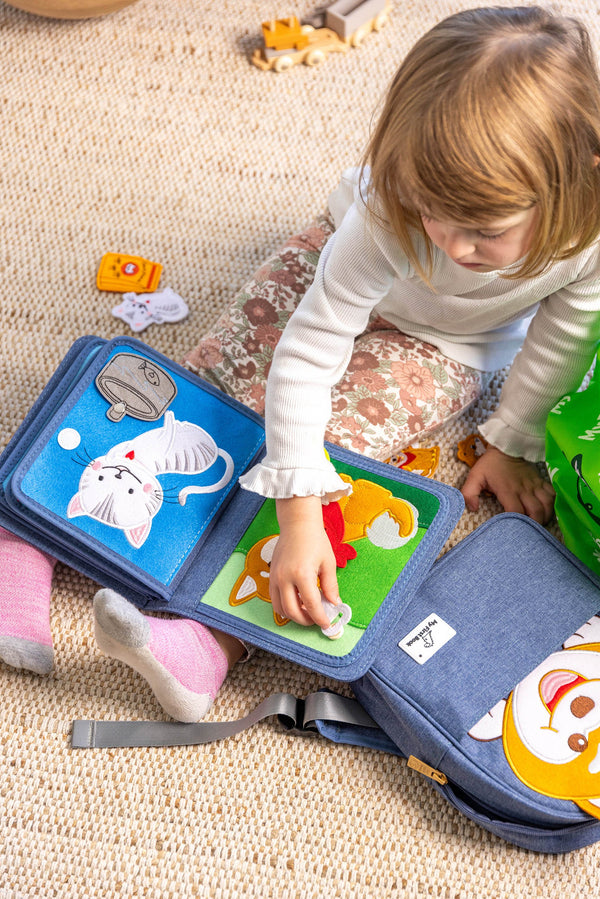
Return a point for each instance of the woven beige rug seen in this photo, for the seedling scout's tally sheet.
(149, 132)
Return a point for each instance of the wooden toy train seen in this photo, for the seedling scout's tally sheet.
(331, 29)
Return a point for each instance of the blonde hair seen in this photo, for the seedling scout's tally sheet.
(493, 111)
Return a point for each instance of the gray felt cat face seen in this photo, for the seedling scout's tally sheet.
(135, 386)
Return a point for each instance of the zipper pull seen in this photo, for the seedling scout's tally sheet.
(427, 770)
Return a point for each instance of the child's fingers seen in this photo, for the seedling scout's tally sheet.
(329, 585)
(311, 600)
(298, 612)
(539, 502)
(286, 604)
(300, 603)
(471, 491)
(515, 483)
(535, 509)
(547, 495)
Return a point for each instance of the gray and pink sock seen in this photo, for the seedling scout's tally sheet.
(25, 591)
(181, 660)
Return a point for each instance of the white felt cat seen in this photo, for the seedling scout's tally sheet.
(121, 489)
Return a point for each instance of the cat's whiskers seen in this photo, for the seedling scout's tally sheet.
(170, 495)
(84, 452)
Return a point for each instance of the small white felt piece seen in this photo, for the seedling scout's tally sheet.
(141, 310)
(338, 615)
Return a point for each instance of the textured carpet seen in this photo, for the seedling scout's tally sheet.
(149, 132)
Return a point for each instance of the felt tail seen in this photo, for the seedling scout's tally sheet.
(211, 488)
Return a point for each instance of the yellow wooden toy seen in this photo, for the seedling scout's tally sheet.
(120, 273)
(338, 26)
(281, 34)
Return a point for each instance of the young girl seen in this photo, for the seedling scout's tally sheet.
(473, 226)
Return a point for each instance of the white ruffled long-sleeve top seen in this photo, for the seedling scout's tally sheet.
(549, 325)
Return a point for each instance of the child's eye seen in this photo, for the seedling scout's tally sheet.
(490, 236)
(480, 234)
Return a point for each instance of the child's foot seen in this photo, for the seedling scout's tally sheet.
(25, 590)
(181, 659)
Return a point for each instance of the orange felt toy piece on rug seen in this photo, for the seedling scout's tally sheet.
(470, 449)
(121, 273)
(422, 460)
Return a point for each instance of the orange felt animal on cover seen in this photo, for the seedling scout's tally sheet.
(371, 511)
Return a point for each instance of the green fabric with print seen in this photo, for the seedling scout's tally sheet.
(573, 460)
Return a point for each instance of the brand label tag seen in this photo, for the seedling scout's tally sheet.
(426, 638)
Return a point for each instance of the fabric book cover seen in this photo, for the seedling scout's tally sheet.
(127, 469)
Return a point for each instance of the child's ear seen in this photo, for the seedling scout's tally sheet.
(596, 160)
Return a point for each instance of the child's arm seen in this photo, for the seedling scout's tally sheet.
(302, 555)
(557, 352)
(352, 277)
(516, 483)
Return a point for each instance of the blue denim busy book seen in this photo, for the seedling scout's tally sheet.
(127, 467)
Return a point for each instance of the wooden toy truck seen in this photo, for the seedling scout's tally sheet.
(287, 42)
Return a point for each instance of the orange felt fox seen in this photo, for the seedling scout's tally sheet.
(370, 511)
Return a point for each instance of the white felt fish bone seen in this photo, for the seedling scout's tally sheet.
(140, 310)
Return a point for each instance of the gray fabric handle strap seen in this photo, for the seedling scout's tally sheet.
(294, 714)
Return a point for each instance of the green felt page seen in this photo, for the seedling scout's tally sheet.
(241, 588)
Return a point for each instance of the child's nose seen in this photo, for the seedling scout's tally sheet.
(458, 244)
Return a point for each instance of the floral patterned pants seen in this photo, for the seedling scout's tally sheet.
(396, 390)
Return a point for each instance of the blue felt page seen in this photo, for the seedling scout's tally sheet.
(197, 427)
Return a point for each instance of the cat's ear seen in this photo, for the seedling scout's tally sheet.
(137, 536)
(75, 508)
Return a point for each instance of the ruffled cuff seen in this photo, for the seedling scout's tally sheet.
(511, 441)
(282, 483)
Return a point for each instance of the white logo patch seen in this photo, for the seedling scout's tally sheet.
(426, 638)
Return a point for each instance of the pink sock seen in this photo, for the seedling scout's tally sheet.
(181, 659)
(189, 652)
(25, 590)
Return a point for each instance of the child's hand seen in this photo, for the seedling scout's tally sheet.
(302, 555)
(516, 483)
